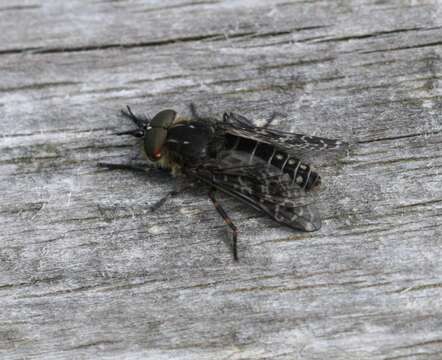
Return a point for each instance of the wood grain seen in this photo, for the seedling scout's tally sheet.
(87, 272)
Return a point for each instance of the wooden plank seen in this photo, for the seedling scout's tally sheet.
(86, 271)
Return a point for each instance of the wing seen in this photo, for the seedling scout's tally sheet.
(239, 125)
(265, 190)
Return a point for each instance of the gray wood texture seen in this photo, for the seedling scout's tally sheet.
(87, 272)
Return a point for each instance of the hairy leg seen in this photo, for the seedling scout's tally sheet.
(138, 121)
(123, 167)
(227, 220)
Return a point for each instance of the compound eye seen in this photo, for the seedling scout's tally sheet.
(156, 133)
(164, 119)
(157, 154)
(153, 143)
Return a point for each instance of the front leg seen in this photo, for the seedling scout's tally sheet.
(179, 189)
(144, 169)
(124, 167)
(140, 122)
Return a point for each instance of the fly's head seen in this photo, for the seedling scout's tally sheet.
(155, 134)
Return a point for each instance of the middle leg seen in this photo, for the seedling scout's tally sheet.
(227, 220)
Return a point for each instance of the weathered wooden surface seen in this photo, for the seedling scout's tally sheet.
(87, 272)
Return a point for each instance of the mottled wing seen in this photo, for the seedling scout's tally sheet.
(239, 125)
(269, 191)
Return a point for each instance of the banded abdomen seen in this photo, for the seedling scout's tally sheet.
(299, 172)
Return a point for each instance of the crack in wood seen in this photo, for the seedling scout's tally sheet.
(96, 343)
(375, 34)
(100, 47)
(399, 137)
(20, 7)
(407, 47)
(163, 285)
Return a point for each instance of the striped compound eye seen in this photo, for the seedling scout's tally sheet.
(156, 133)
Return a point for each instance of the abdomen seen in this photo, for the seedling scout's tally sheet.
(255, 151)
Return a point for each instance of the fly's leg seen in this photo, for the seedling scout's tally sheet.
(137, 133)
(197, 116)
(271, 118)
(123, 167)
(141, 123)
(193, 111)
(242, 120)
(229, 117)
(131, 167)
(227, 220)
(178, 190)
(161, 202)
